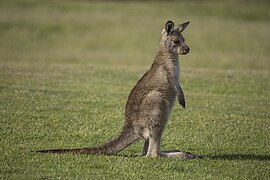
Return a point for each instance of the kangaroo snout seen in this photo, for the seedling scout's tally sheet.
(184, 50)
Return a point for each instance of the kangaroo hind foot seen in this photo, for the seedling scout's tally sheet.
(177, 154)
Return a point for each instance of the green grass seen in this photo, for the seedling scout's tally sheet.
(67, 67)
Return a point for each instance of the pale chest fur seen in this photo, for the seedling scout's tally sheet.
(177, 72)
(174, 69)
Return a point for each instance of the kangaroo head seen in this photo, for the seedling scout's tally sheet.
(172, 39)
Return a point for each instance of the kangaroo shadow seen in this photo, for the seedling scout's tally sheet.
(241, 157)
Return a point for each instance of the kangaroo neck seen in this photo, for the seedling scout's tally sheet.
(169, 61)
(167, 58)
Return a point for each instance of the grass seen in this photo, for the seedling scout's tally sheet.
(67, 67)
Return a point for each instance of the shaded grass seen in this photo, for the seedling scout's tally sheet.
(66, 69)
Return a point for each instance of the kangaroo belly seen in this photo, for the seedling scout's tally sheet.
(155, 111)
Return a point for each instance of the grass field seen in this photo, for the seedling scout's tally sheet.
(67, 67)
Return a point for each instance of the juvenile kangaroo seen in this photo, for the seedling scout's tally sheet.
(150, 102)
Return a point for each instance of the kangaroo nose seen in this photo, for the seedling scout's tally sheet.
(186, 49)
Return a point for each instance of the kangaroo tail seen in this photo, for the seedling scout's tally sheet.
(124, 139)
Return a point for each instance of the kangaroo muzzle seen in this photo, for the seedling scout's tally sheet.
(184, 50)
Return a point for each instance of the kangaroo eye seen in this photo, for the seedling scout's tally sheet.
(176, 42)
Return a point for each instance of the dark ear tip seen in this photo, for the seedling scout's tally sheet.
(187, 23)
(170, 23)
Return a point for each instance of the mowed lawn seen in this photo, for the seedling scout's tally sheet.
(67, 67)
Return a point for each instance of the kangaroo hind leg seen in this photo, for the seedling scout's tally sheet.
(154, 147)
(145, 147)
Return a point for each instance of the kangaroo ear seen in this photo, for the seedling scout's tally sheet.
(182, 27)
(169, 27)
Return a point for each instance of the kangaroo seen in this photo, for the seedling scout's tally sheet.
(150, 102)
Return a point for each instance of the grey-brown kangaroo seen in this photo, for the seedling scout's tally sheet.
(150, 102)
